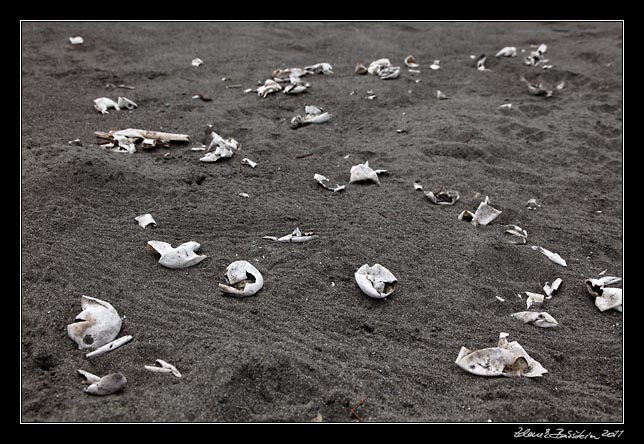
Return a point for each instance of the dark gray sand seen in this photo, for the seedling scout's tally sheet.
(311, 341)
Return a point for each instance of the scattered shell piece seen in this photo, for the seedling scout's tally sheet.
(202, 97)
(197, 62)
(360, 69)
(311, 109)
(322, 180)
(485, 213)
(436, 65)
(377, 65)
(448, 197)
(536, 57)
(128, 137)
(561, 85)
(390, 72)
(317, 418)
(146, 219)
(269, 87)
(440, 95)
(506, 106)
(98, 324)
(296, 237)
(500, 298)
(182, 256)
(244, 195)
(242, 279)
(198, 148)
(506, 359)
(376, 282)
(550, 289)
(533, 299)
(414, 71)
(319, 68)
(107, 385)
(247, 161)
(418, 186)
(537, 88)
(539, 319)
(508, 51)
(102, 104)
(554, 257)
(466, 216)
(111, 346)
(224, 148)
(78, 40)
(75, 142)
(295, 88)
(363, 172)
(163, 367)
(410, 62)
(605, 298)
(532, 204)
(480, 63)
(517, 235)
(125, 103)
(314, 116)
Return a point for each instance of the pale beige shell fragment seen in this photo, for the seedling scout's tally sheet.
(296, 237)
(440, 95)
(539, 319)
(146, 219)
(376, 66)
(436, 65)
(561, 85)
(182, 256)
(102, 104)
(363, 172)
(322, 180)
(242, 279)
(389, 72)
(110, 346)
(410, 62)
(125, 103)
(485, 213)
(466, 216)
(196, 62)
(532, 204)
(516, 234)
(508, 51)
(507, 106)
(98, 324)
(554, 257)
(163, 367)
(360, 69)
(107, 385)
(224, 148)
(312, 109)
(250, 163)
(319, 68)
(448, 197)
(315, 117)
(78, 40)
(506, 359)
(534, 299)
(270, 86)
(550, 289)
(605, 298)
(376, 282)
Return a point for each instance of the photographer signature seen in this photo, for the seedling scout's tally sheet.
(566, 434)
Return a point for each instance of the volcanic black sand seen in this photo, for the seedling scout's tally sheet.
(311, 342)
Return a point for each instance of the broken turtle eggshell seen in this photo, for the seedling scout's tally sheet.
(98, 324)
(410, 62)
(363, 172)
(78, 40)
(448, 197)
(182, 256)
(146, 219)
(506, 359)
(360, 69)
(508, 51)
(440, 95)
(125, 103)
(377, 65)
(107, 385)
(550, 289)
(163, 367)
(376, 282)
(102, 104)
(324, 181)
(242, 279)
(485, 213)
(539, 319)
(533, 299)
(554, 257)
(319, 68)
(196, 62)
(605, 298)
(389, 72)
(515, 234)
(296, 237)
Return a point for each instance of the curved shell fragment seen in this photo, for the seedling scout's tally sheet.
(485, 213)
(98, 324)
(508, 51)
(516, 234)
(78, 40)
(102, 104)
(196, 62)
(550, 289)
(533, 299)
(146, 219)
(319, 68)
(270, 86)
(447, 197)
(242, 279)
(606, 298)
(377, 65)
(363, 172)
(107, 385)
(410, 62)
(539, 319)
(324, 181)
(506, 359)
(389, 72)
(125, 103)
(376, 282)
(554, 257)
(440, 95)
(182, 256)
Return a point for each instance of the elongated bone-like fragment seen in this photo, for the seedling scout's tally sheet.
(322, 180)
(554, 257)
(163, 367)
(296, 237)
(109, 347)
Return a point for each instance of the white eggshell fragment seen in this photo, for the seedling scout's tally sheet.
(295, 237)
(554, 257)
(508, 51)
(606, 298)
(107, 385)
(549, 289)
(102, 104)
(110, 346)
(163, 367)
(242, 279)
(516, 234)
(485, 213)
(146, 219)
(534, 298)
(98, 324)
(376, 282)
(506, 359)
(363, 172)
(182, 256)
(539, 319)
(125, 103)
(78, 40)
(448, 197)
(324, 181)
(410, 62)
(196, 62)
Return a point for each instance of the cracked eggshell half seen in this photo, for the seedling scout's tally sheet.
(242, 279)
(98, 324)
(376, 282)
(182, 256)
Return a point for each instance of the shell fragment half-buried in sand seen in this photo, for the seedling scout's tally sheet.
(376, 282)
(182, 256)
(606, 298)
(539, 319)
(98, 324)
(363, 172)
(508, 51)
(163, 367)
(506, 359)
(242, 279)
(295, 237)
(443, 197)
(324, 181)
(107, 385)
(485, 213)
(145, 220)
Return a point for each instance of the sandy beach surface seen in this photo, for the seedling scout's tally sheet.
(311, 341)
